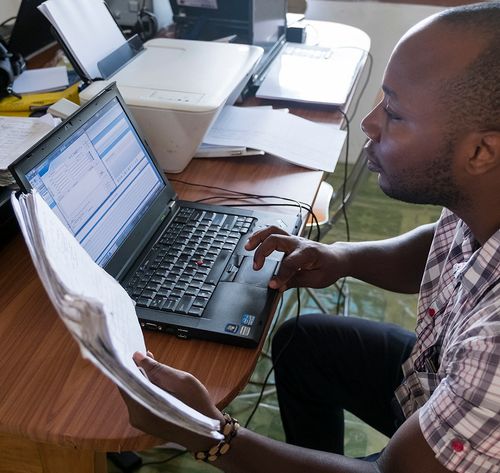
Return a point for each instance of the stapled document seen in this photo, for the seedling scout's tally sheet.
(294, 139)
(97, 311)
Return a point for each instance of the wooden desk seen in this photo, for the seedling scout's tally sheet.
(56, 409)
(58, 414)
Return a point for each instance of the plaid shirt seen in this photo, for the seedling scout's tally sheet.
(453, 373)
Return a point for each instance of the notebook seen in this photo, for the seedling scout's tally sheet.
(183, 263)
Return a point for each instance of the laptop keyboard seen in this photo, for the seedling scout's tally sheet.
(183, 268)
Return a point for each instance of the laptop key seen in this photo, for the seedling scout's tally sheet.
(148, 294)
(170, 305)
(156, 303)
(184, 304)
(218, 267)
(195, 311)
(200, 302)
(143, 301)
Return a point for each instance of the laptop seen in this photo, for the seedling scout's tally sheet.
(312, 74)
(183, 263)
(257, 22)
(287, 70)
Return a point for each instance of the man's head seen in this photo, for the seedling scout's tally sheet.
(439, 119)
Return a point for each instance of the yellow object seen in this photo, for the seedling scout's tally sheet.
(31, 102)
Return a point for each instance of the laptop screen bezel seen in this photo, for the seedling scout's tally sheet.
(152, 218)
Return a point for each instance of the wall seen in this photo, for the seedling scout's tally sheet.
(8, 8)
(384, 23)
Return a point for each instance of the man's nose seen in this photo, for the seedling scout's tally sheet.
(370, 126)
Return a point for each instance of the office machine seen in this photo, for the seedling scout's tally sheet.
(175, 88)
(258, 22)
(31, 32)
(183, 263)
(143, 17)
(127, 12)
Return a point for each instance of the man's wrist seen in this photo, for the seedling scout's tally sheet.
(229, 429)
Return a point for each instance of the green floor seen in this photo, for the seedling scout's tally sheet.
(371, 215)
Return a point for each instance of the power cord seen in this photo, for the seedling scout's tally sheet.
(147, 23)
(278, 357)
(246, 195)
(8, 20)
(365, 84)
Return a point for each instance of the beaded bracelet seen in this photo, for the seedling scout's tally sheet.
(229, 431)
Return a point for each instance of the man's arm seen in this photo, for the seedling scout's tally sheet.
(406, 452)
(396, 264)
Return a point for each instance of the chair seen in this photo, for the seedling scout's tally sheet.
(328, 209)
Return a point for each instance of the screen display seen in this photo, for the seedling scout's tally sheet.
(269, 23)
(99, 181)
(31, 32)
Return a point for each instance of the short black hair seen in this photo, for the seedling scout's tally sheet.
(472, 97)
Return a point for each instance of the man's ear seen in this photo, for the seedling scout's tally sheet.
(483, 152)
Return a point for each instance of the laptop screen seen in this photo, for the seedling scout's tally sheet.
(99, 181)
(31, 32)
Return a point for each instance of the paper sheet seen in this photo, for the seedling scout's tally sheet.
(41, 80)
(294, 139)
(87, 29)
(97, 311)
(18, 134)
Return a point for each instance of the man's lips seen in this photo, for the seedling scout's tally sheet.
(372, 163)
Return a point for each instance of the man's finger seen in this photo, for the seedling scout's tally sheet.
(159, 374)
(260, 235)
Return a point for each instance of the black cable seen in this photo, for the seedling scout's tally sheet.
(161, 462)
(341, 295)
(248, 195)
(365, 84)
(273, 328)
(8, 20)
(346, 169)
(278, 357)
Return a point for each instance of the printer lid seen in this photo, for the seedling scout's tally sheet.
(166, 72)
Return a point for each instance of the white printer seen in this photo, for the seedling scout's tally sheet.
(174, 88)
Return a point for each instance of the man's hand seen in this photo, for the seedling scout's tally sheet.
(306, 263)
(184, 387)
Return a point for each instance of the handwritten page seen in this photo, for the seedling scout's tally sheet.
(97, 311)
(17, 135)
(87, 29)
(294, 139)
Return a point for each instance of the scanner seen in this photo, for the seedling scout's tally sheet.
(175, 90)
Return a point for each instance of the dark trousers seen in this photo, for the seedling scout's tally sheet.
(325, 364)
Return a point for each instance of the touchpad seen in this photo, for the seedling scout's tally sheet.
(247, 275)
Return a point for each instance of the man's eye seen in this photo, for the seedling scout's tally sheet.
(391, 114)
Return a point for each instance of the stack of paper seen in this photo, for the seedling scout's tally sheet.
(46, 79)
(294, 139)
(97, 311)
(89, 31)
(17, 135)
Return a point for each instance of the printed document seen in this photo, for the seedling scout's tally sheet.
(97, 311)
(17, 135)
(294, 139)
(89, 31)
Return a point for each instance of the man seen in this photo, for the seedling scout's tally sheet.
(434, 138)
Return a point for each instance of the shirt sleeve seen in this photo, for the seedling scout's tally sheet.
(461, 419)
